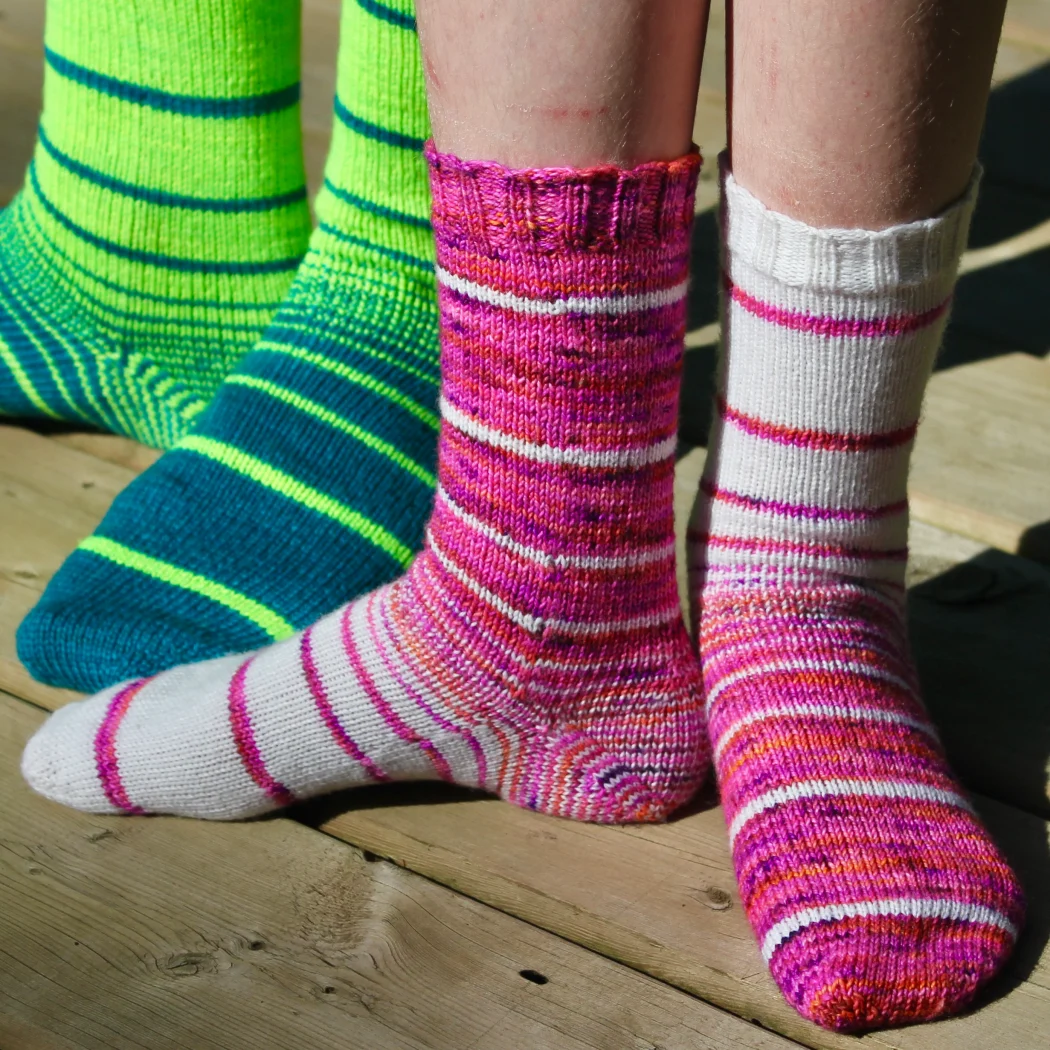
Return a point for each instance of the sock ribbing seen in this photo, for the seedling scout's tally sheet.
(535, 647)
(876, 895)
(308, 479)
(163, 215)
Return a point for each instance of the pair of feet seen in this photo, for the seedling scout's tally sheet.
(536, 647)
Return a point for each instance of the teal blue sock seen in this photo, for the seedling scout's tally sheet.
(308, 478)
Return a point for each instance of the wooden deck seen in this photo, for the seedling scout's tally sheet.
(422, 917)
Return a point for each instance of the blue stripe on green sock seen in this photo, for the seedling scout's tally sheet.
(376, 132)
(167, 102)
(168, 200)
(163, 215)
(379, 210)
(168, 262)
(389, 14)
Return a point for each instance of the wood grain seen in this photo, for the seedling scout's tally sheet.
(661, 900)
(979, 634)
(162, 933)
(16, 600)
(122, 451)
(981, 466)
(141, 933)
(1028, 21)
(51, 497)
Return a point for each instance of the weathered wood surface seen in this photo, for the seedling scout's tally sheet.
(166, 933)
(661, 900)
(979, 627)
(981, 636)
(121, 451)
(982, 457)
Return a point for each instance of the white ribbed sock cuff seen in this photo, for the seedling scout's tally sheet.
(849, 262)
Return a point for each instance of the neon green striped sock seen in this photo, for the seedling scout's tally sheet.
(309, 477)
(163, 214)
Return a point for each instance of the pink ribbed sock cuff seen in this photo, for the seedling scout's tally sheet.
(487, 208)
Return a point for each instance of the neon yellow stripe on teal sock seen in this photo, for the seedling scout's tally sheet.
(318, 411)
(24, 383)
(272, 623)
(352, 375)
(362, 347)
(287, 485)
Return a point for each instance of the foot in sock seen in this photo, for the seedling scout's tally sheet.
(308, 479)
(876, 894)
(536, 647)
(163, 215)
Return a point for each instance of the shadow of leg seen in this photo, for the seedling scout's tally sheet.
(979, 632)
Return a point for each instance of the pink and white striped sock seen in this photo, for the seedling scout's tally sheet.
(876, 894)
(536, 647)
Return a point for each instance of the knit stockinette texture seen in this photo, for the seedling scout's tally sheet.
(163, 214)
(309, 478)
(536, 647)
(876, 894)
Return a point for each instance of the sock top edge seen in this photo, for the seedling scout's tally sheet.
(852, 261)
(491, 207)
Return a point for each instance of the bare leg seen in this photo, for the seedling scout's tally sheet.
(562, 82)
(859, 113)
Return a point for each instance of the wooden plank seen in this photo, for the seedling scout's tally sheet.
(980, 465)
(112, 448)
(16, 600)
(315, 152)
(320, 46)
(931, 550)
(663, 900)
(166, 933)
(1028, 21)
(709, 125)
(1025, 36)
(1021, 50)
(23, 21)
(682, 922)
(21, 79)
(1034, 239)
(51, 497)
(53, 492)
(977, 622)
